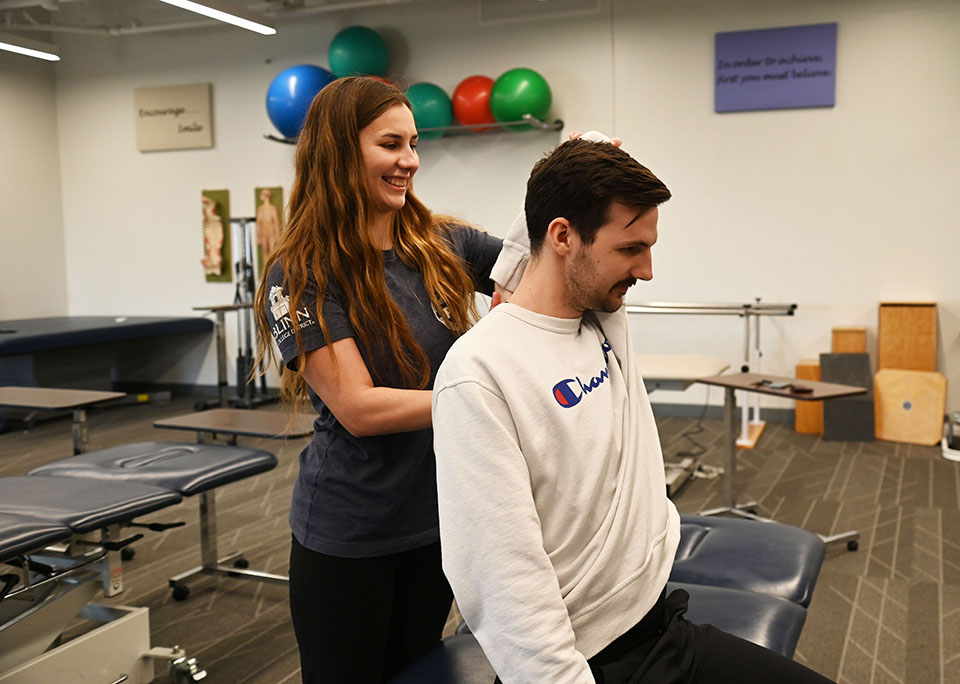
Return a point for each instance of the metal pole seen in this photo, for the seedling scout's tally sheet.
(222, 385)
(79, 431)
(745, 407)
(208, 528)
(729, 399)
(756, 363)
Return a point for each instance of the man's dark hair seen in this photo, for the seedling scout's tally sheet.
(578, 181)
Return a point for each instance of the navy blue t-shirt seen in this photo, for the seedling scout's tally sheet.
(370, 496)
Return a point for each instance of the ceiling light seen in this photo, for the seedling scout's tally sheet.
(31, 48)
(230, 13)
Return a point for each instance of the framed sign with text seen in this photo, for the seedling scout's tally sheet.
(173, 117)
(780, 68)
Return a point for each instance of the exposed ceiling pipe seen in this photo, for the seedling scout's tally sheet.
(20, 4)
(111, 30)
(303, 10)
(267, 8)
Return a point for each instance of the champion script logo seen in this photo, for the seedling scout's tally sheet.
(571, 391)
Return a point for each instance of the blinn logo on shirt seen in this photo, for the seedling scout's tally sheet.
(280, 308)
(571, 391)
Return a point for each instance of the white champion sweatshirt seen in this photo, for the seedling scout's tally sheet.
(556, 531)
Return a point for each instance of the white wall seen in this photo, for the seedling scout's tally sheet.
(33, 281)
(834, 209)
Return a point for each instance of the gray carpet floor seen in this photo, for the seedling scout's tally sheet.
(889, 612)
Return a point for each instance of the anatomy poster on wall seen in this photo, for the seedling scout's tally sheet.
(269, 202)
(216, 259)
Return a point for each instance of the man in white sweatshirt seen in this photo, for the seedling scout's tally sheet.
(556, 531)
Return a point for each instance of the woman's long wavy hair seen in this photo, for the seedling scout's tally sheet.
(327, 238)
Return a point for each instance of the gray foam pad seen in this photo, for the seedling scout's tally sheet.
(848, 418)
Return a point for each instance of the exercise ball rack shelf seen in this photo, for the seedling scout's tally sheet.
(534, 123)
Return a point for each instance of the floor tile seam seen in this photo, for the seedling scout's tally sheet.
(876, 619)
(939, 517)
(862, 648)
(843, 597)
(951, 544)
(254, 635)
(924, 577)
(267, 665)
(847, 635)
(893, 635)
(880, 631)
(956, 482)
(292, 674)
(903, 470)
(806, 518)
(935, 555)
(877, 663)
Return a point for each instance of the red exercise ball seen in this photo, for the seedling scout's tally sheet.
(471, 101)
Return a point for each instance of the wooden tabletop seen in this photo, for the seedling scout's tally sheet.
(246, 422)
(679, 366)
(52, 399)
(747, 382)
(223, 307)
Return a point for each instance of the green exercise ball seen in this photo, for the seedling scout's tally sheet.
(358, 51)
(517, 92)
(431, 108)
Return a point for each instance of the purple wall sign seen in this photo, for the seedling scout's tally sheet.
(781, 68)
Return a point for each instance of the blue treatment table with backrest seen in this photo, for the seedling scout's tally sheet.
(59, 562)
(769, 621)
(182, 468)
(751, 579)
(32, 335)
(82, 506)
(63, 351)
(767, 558)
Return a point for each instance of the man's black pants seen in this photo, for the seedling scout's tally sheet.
(663, 648)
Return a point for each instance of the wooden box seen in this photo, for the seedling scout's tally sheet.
(907, 336)
(809, 414)
(849, 341)
(909, 406)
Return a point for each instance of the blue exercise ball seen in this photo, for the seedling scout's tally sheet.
(290, 94)
(358, 51)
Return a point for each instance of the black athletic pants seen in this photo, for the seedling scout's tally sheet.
(663, 648)
(360, 620)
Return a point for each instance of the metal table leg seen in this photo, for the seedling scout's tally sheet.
(223, 389)
(79, 431)
(742, 510)
(730, 473)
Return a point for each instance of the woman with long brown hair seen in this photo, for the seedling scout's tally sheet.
(364, 295)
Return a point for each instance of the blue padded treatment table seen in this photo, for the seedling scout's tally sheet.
(183, 469)
(20, 534)
(766, 620)
(767, 558)
(31, 335)
(771, 622)
(80, 351)
(81, 505)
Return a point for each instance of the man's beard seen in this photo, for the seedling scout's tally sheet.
(584, 293)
